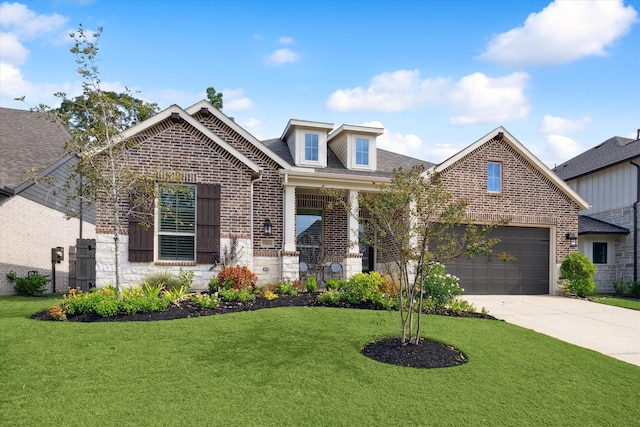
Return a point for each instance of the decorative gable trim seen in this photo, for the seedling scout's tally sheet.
(206, 106)
(539, 168)
(174, 113)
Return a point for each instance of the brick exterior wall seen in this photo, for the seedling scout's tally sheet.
(28, 231)
(527, 197)
(190, 156)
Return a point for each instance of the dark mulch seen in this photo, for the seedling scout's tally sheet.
(427, 354)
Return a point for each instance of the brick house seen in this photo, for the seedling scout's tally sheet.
(34, 214)
(608, 175)
(263, 200)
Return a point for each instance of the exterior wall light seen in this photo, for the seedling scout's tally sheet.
(267, 227)
(573, 240)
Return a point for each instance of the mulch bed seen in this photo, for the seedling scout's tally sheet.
(426, 354)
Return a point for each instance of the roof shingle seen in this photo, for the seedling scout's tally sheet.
(611, 152)
(27, 140)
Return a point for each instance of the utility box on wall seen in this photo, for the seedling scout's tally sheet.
(57, 254)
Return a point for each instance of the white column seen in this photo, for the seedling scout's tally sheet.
(289, 218)
(352, 222)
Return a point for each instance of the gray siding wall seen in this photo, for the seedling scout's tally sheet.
(52, 193)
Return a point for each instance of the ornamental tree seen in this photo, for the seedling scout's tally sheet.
(413, 223)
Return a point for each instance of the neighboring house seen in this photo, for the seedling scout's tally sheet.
(33, 216)
(608, 176)
(265, 196)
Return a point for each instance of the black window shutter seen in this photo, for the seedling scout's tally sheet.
(208, 224)
(140, 239)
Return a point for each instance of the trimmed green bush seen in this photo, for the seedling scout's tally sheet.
(32, 285)
(577, 272)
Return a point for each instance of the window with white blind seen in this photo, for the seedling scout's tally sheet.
(177, 223)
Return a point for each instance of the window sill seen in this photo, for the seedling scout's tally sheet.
(176, 263)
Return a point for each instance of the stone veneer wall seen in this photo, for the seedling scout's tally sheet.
(622, 266)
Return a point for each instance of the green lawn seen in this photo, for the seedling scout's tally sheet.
(297, 366)
(631, 303)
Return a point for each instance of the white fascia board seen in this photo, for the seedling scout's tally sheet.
(306, 124)
(166, 114)
(367, 130)
(246, 135)
(332, 180)
(520, 148)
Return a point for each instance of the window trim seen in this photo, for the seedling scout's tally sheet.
(367, 142)
(159, 233)
(606, 252)
(491, 179)
(317, 148)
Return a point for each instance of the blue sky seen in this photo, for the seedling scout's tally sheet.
(437, 75)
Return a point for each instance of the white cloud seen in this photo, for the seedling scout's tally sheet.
(391, 91)
(476, 98)
(408, 144)
(11, 50)
(235, 101)
(558, 125)
(285, 40)
(25, 23)
(562, 32)
(562, 148)
(281, 57)
(254, 127)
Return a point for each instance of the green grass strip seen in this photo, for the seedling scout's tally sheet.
(630, 303)
(297, 367)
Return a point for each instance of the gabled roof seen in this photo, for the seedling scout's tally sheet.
(233, 125)
(522, 150)
(175, 111)
(589, 225)
(387, 161)
(612, 152)
(27, 140)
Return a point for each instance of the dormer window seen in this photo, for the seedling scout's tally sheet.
(311, 147)
(355, 146)
(362, 152)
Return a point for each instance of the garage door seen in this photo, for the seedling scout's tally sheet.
(528, 274)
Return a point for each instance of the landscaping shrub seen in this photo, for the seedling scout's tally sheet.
(334, 284)
(311, 284)
(285, 288)
(164, 279)
(206, 300)
(440, 288)
(33, 285)
(627, 289)
(363, 286)
(577, 273)
(331, 297)
(213, 285)
(237, 277)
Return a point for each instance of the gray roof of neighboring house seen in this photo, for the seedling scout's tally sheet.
(610, 153)
(589, 225)
(27, 140)
(386, 160)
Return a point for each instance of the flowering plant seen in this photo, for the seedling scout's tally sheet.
(440, 288)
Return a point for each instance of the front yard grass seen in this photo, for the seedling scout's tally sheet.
(630, 303)
(297, 366)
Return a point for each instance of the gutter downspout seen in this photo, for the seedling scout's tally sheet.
(635, 223)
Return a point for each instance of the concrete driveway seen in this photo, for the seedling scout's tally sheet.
(609, 330)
